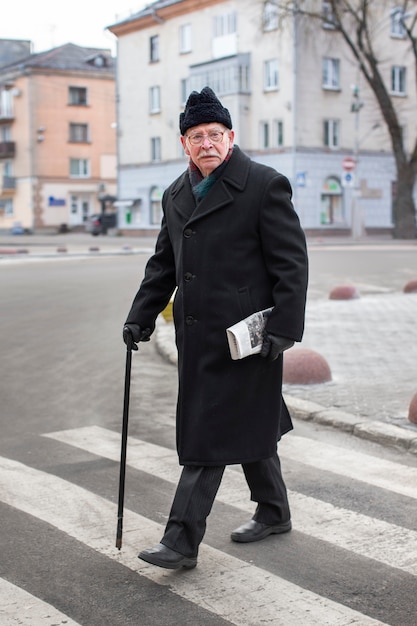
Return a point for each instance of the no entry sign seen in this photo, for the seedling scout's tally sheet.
(349, 164)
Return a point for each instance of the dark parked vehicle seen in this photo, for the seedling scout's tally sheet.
(100, 223)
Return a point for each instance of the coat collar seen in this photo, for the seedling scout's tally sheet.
(234, 176)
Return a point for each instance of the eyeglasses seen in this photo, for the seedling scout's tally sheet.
(214, 136)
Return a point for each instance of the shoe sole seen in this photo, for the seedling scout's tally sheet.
(185, 562)
(276, 530)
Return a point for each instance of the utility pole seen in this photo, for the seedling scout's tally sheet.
(294, 100)
(358, 227)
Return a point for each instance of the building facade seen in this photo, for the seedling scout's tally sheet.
(58, 159)
(296, 99)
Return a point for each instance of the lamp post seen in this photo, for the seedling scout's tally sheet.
(294, 100)
(358, 227)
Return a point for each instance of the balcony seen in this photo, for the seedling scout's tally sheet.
(7, 149)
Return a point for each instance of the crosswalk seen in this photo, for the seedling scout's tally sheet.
(234, 588)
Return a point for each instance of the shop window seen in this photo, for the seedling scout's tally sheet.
(156, 205)
(331, 211)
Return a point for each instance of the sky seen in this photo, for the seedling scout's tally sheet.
(50, 23)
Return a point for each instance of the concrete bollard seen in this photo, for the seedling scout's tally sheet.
(305, 367)
(344, 292)
(411, 286)
(412, 411)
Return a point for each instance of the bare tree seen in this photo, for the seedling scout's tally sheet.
(358, 23)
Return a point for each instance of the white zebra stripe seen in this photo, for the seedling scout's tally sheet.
(20, 608)
(355, 465)
(363, 535)
(253, 595)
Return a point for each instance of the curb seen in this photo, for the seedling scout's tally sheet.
(387, 435)
(15, 256)
(10, 251)
(378, 432)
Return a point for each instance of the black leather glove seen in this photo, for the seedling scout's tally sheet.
(272, 346)
(133, 333)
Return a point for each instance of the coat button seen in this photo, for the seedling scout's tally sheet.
(189, 320)
(188, 276)
(188, 233)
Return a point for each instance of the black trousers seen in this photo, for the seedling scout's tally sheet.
(197, 489)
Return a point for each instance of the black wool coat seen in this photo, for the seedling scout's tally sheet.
(240, 250)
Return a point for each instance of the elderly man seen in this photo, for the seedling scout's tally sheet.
(231, 243)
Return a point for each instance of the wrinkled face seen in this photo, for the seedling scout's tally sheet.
(207, 145)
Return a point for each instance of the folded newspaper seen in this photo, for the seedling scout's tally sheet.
(245, 337)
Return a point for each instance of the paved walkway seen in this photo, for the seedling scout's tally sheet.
(369, 344)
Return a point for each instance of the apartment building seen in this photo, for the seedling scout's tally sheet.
(296, 97)
(58, 161)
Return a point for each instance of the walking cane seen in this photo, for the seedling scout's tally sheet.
(124, 446)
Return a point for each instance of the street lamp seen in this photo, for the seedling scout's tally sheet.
(357, 218)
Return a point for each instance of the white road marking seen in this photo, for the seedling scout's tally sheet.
(252, 595)
(363, 535)
(20, 608)
(372, 470)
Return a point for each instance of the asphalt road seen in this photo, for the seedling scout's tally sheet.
(351, 558)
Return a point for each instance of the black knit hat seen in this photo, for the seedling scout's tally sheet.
(203, 108)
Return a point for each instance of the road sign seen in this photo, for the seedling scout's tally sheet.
(348, 179)
(301, 179)
(349, 164)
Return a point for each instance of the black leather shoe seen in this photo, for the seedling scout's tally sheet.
(162, 556)
(255, 531)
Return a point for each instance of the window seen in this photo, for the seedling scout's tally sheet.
(185, 38)
(332, 202)
(155, 149)
(77, 96)
(154, 49)
(79, 168)
(9, 208)
(278, 133)
(271, 75)
(154, 100)
(332, 133)
(6, 133)
(398, 80)
(224, 24)
(328, 18)
(6, 205)
(244, 79)
(331, 73)
(184, 91)
(264, 132)
(99, 60)
(8, 168)
(6, 103)
(397, 23)
(224, 40)
(156, 205)
(230, 75)
(78, 133)
(270, 16)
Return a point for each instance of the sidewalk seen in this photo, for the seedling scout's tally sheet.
(70, 245)
(373, 360)
(369, 343)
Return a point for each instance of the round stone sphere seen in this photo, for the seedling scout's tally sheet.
(305, 367)
(412, 411)
(411, 286)
(344, 292)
